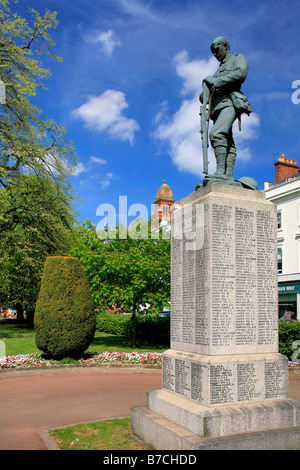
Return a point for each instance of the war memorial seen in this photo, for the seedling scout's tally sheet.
(224, 383)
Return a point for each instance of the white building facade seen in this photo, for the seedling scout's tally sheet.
(285, 194)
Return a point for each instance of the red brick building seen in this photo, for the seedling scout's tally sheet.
(285, 168)
(164, 203)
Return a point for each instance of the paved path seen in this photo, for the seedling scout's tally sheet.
(33, 401)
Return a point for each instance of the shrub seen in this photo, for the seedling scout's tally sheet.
(154, 329)
(112, 323)
(64, 320)
(289, 331)
(151, 329)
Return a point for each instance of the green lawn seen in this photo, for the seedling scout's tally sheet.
(108, 434)
(19, 339)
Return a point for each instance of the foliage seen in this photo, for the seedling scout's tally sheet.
(112, 323)
(27, 142)
(124, 272)
(289, 331)
(153, 328)
(64, 317)
(35, 160)
(36, 220)
(148, 328)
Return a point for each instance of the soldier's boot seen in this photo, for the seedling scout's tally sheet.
(229, 170)
(230, 164)
(221, 156)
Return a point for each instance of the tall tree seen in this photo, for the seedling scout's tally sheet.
(35, 159)
(36, 221)
(27, 142)
(131, 273)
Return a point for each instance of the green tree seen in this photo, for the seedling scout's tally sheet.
(27, 142)
(64, 320)
(36, 221)
(132, 273)
(35, 160)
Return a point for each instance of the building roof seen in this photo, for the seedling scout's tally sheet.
(164, 193)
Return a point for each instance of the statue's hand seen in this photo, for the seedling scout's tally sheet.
(210, 80)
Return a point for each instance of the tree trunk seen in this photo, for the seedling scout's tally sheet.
(30, 316)
(19, 309)
(133, 329)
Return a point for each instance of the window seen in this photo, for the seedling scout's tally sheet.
(279, 220)
(279, 260)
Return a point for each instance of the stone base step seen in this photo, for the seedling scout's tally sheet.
(159, 433)
(209, 421)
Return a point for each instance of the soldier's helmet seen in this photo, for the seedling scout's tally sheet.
(248, 182)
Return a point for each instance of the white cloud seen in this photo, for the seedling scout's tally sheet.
(250, 125)
(183, 137)
(137, 9)
(103, 113)
(193, 72)
(108, 40)
(102, 180)
(181, 132)
(80, 168)
(107, 180)
(99, 160)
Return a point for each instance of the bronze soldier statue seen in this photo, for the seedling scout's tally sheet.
(226, 104)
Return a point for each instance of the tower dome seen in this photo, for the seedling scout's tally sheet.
(164, 204)
(164, 193)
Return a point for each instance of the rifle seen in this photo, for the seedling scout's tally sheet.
(204, 123)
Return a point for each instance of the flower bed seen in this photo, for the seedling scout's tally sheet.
(112, 358)
(105, 358)
(25, 360)
(123, 358)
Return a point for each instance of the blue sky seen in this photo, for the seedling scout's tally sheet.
(128, 90)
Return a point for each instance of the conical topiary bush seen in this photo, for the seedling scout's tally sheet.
(64, 320)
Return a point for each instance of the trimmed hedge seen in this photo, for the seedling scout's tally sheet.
(114, 324)
(65, 319)
(151, 329)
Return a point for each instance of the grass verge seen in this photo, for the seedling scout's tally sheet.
(108, 434)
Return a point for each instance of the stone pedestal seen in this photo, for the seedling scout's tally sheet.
(223, 375)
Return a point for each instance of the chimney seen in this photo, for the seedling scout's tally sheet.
(285, 168)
